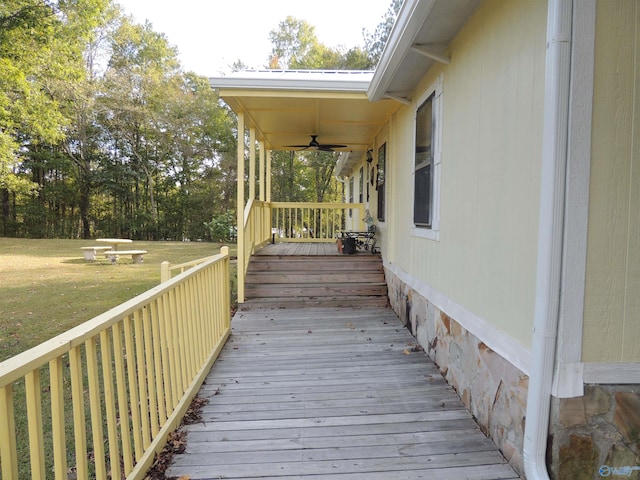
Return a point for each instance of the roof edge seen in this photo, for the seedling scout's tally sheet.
(410, 19)
(320, 80)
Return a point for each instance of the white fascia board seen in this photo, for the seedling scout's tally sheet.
(327, 81)
(410, 19)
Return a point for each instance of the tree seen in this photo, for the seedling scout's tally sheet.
(294, 44)
(374, 42)
(84, 139)
(41, 45)
(27, 113)
(142, 73)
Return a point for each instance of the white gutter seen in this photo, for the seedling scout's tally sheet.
(550, 238)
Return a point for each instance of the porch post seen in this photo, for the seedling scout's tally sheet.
(252, 163)
(240, 207)
(262, 171)
(268, 185)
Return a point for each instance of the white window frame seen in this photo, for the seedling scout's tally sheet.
(433, 231)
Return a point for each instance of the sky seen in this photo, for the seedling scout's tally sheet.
(212, 34)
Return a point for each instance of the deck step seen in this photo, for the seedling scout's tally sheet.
(342, 301)
(275, 281)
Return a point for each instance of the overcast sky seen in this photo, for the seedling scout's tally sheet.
(213, 34)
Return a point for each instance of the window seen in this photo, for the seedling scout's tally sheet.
(423, 186)
(361, 189)
(426, 178)
(351, 188)
(380, 180)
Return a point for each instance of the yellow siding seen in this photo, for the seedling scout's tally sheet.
(612, 300)
(485, 258)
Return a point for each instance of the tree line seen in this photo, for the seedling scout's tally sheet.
(103, 133)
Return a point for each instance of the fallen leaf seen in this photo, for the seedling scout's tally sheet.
(407, 352)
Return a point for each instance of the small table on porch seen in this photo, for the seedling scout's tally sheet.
(366, 240)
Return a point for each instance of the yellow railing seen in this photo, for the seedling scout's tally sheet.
(254, 233)
(113, 388)
(314, 222)
(166, 268)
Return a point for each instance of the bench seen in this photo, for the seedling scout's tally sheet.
(90, 253)
(136, 255)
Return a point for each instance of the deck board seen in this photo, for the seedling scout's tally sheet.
(299, 249)
(331, 393)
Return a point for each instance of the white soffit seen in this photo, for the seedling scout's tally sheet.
(420, 36)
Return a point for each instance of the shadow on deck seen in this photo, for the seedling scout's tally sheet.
(332, 393)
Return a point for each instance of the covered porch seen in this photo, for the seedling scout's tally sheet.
(324, 111)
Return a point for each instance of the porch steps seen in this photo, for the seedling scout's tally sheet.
(303, 281)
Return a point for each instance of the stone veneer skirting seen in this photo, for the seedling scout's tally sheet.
(590, 437)
(493, 390)
(596, 435)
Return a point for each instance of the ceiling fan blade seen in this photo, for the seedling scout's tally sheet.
(331, 146)
(318, 146)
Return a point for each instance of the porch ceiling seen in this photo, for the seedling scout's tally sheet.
(286, 111)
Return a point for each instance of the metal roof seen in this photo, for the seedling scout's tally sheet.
(321, 80)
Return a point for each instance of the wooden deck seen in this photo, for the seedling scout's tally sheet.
(332, 394)
(305, 249)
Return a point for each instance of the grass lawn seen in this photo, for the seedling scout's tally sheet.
(46, 286)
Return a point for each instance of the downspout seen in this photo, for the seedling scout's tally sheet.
(550, 238)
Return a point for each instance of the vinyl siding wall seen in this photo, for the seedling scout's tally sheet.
(485, 258)
(612, 297)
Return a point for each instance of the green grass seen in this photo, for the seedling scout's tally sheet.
(46, 286)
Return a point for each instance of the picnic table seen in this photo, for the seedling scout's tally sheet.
(114, 242)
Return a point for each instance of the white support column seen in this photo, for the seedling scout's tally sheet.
(262, 158)
(240, 207)
(252, 163)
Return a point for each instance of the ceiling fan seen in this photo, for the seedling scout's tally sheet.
(327, 147)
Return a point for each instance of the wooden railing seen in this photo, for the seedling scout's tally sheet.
(167, 268)
(254, 233)
(102, 398)
(313, 222)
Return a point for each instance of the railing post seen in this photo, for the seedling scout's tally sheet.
(165, 271)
